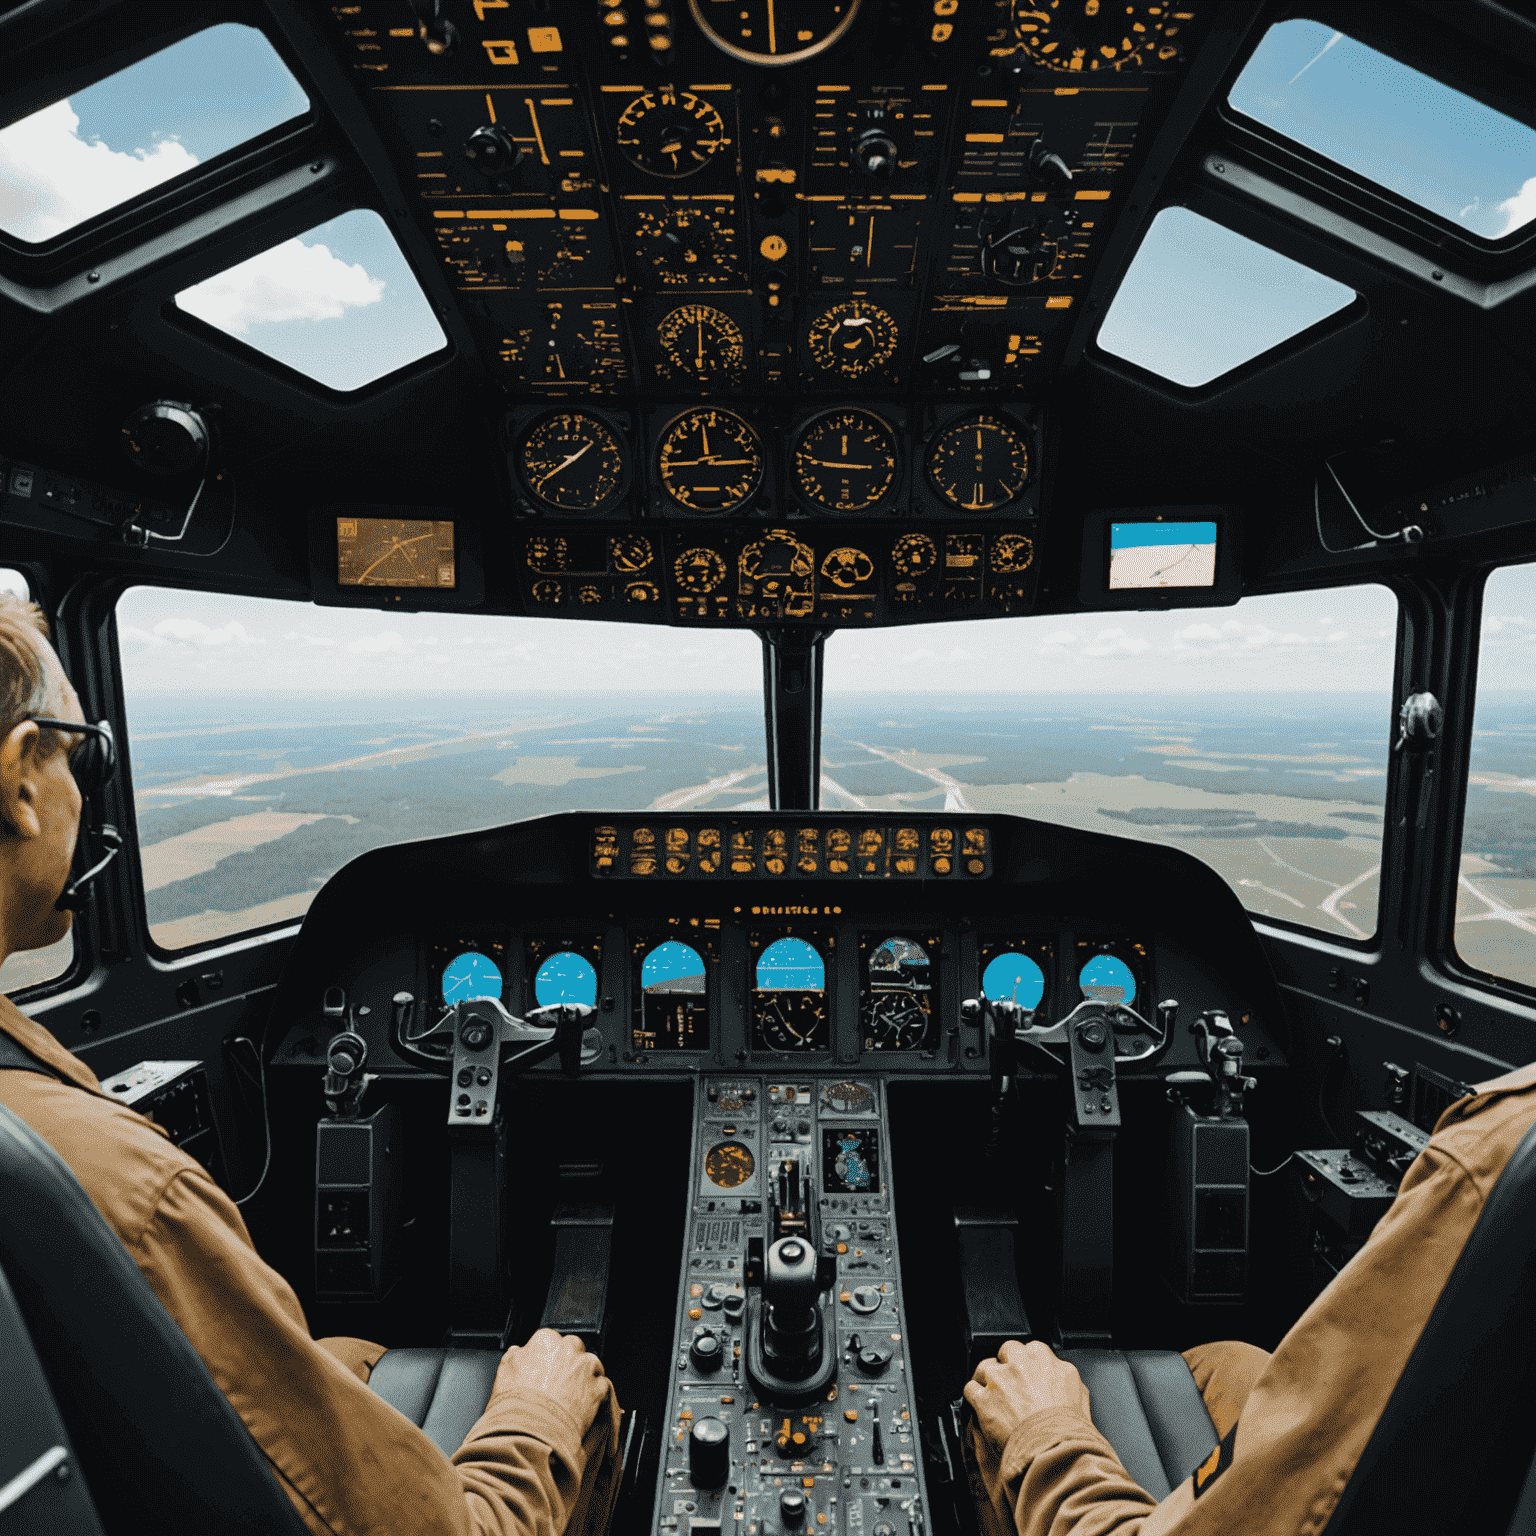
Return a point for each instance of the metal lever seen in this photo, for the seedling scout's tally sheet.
(1221, 1052)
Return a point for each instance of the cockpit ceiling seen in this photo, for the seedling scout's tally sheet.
(734, 266)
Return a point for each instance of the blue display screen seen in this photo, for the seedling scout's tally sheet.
(672, 967)
(1161, 555)
(565, 978)
(470, 975)
(1014, 978)
(791, 963)
(1105, 972)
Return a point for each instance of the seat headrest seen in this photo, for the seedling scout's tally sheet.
(159, 1444)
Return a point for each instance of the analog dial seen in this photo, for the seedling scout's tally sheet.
(853, 339)
(791, 1021)
(729, 1164)
(847, 1098)
(771, 33)
(671, 133)
(699, 570)
(845, 568)
(630, 552)
(845, 461)
(1012, 552)
(1080, 36)
(914, 554)
(702, 341)
(693, 247)
(573, 462)
(896, 1020)
(979, 463)
(710, 460)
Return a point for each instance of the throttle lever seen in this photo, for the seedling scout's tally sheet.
(569, 1021)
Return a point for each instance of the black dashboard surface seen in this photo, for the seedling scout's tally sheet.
(722, 963)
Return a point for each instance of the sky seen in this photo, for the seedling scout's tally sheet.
(1340, 640)
(1444, 151)
(339, 302)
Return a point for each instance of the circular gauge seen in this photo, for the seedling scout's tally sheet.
(1014, 978)
(670, 133)
(701, 341)
(547, 593)
(630, 551)
(565, 978)
(710, 460)
(572, 462)
(896, 1019)
(846, 1098)
(914, 554)
(852, 338)
(729, 1164)
(642, 592)
(979, 463)
(587, 594)
(693, 247)
(1012, 552)
(673, 967)
(470, 975)
(772, 33)
(546, 552)
(699, 570)
(844, 461)
(846, 568)
(1073, 37)
(1108, 978)
(788, 1021)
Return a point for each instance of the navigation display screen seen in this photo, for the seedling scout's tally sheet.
(390, 552)
(1150, 555)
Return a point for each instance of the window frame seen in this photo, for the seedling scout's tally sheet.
(298, 217)
(1345, 191)
(109, 50)
(1440, 940)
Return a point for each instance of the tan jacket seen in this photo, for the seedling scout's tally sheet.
(350, 1462)
(1314, 1406)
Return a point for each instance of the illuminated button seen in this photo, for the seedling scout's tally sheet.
(842, 1247)
(695, 1313)
(976, 866)
(695, 1289)
(774, 247)
(851, 1414)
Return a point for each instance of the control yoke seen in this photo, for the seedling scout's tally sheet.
(1007, 1025)
(478, 1022)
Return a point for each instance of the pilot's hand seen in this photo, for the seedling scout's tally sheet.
(559, 1365)
(1024, 1379)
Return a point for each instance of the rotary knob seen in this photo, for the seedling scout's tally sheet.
(706, 1353)
(475, 1036)
(709, 1453)
(1092, 1034)
(792, 1508)
(872, 1362)
(493, 149)
(875, 153)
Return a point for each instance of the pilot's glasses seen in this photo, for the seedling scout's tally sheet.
(94, 761)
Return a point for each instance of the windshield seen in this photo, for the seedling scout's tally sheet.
(1254, 737)
(272, 741)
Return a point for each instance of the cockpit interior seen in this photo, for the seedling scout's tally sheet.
(861, 663)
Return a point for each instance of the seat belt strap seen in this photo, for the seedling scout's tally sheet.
(18, 1057)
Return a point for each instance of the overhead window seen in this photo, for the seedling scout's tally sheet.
(140, 128)
(1198, 301)
(1254, 737)
(1496, 884)
(338, 303)
(1445, 152)
(273, 741)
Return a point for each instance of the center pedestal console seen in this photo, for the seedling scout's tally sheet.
(791, 1406)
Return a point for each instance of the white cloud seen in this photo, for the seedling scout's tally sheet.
(292, 281)
(136, 636)
(1520, 209)
(305, 638)
(51, 179)
(1508, 626)
(200, 634)
(1116, 642)
(1060, 637)
(388, 642)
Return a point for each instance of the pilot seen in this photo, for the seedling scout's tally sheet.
(1291, 1425)
(541, 1459)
